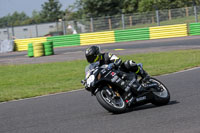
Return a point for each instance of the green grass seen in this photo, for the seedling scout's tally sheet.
(23, 81)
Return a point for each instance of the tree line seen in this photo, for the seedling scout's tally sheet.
(51, 10)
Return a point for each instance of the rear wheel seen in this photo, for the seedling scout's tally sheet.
(114, 105)
(161, 97)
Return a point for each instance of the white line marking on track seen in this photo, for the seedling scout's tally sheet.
(181, 71)
(41, 96)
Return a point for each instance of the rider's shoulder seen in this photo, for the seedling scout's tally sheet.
(108, 54)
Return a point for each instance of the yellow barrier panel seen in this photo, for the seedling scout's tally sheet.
(97, 38)
(22, 44)
(169, 31)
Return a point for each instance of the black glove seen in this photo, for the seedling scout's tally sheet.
(111, 65)
(87, 88)
(143, 73)
(146, 78)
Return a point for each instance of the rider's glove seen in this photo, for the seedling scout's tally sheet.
(84, 83)
(146, 78)
(87, 88)
(110, 66)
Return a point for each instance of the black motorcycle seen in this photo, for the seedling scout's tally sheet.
(105, 82)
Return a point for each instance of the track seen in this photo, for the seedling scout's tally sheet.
(78, 112)
(77, 52)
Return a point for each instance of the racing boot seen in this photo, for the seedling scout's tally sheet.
(129, 96)
(126, 87)
(138, 88)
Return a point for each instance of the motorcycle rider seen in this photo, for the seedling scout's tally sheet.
(93, 54)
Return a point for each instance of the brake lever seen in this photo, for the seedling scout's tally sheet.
(83, 82)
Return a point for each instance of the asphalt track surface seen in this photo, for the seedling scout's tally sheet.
(124, 48)
(78, 112)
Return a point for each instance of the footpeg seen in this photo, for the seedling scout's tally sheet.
(130, 101)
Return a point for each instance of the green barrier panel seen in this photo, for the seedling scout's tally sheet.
(30, 50)
(194, 29)
(132, 35)
(66, 40)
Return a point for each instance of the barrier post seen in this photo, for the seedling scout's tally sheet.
(170, 14)
(110, 23)
(157, 17)
(123, 23)
(186, 11)
(36, 29)
(91, 25)
(8, 33)
(130, 21)
(195, 13)
(13, 32)
(64, 28)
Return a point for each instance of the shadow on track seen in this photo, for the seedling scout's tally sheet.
(148, 106)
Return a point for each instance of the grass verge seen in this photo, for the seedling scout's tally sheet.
(23, 81)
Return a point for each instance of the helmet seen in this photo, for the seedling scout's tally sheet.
(92, 54)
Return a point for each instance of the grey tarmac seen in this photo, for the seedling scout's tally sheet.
(78, 112)
(78, 52)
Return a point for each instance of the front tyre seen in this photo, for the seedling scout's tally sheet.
(161, 97)
(116, 105)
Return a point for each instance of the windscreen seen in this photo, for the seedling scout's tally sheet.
(90, 67)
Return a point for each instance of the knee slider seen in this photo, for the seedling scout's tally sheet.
(127, 65)
(132, 63)
(133, 66)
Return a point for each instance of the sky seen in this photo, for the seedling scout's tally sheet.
(10, 6)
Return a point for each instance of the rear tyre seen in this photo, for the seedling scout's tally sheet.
(116, 105)
(160, 97)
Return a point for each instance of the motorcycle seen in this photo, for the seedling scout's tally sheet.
(105, 82)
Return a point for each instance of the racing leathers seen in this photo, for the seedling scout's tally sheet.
(127, 66)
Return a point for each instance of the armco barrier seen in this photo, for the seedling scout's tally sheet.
(169, 31)
(97, 38)
(132, 34)
(22, 44)
(194, 29)
(66, 40)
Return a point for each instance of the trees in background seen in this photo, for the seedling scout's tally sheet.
(110, 7)
(99, 7)
(14, 19)
(51, 10)
(151, 5)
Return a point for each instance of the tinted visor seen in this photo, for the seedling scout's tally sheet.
(91, 58)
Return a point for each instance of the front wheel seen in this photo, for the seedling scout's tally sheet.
(161, 97)
(115, 105)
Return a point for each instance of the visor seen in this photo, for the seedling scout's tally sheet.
(91, 58)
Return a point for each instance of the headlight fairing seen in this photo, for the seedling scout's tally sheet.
(90, 80)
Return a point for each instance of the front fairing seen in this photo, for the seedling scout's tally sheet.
(94, 74)
(90, 74)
